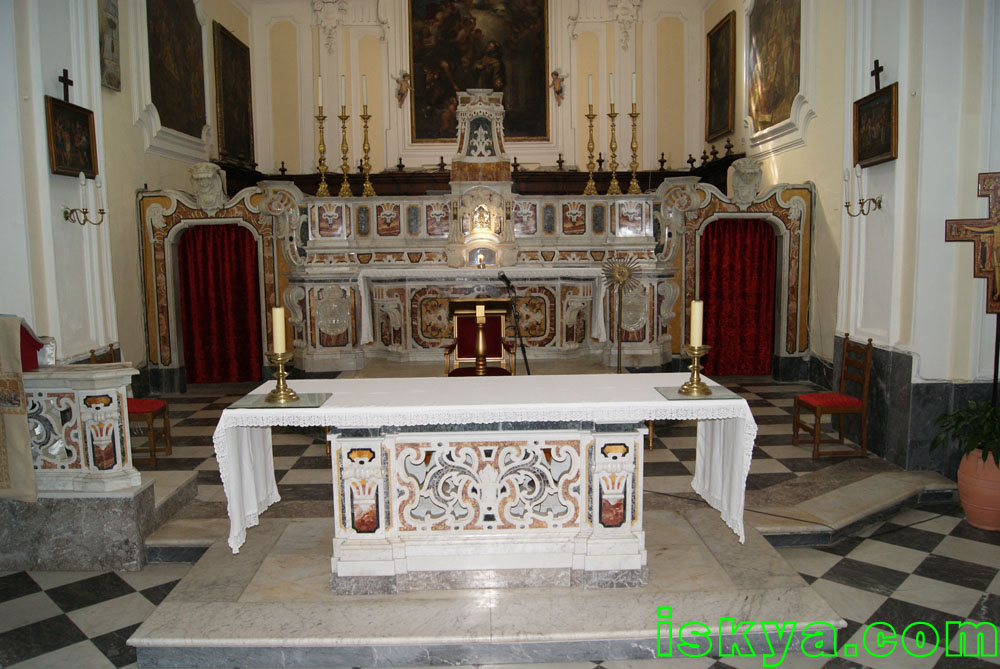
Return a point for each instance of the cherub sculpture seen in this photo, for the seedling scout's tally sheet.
(402, 87)
(557, 85)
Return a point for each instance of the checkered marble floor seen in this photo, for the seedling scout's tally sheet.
(922, 565)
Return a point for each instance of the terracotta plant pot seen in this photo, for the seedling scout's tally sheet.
(979, 490)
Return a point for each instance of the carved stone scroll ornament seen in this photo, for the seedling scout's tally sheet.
(626, 13)
(678, 197)
(293, 298)
(668, 291)
(746, 182)
(280, 206)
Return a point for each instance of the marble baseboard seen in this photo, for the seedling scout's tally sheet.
(487, 578)
(582, 651)
(83, 531)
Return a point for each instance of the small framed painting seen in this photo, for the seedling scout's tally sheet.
(720, 80)
(875, 127)
(72, 145)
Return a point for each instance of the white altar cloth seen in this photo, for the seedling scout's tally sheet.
(726, 428)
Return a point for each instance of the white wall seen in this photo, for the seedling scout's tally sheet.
(15, 276)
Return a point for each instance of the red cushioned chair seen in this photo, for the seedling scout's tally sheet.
(499, 352)
(856, 367)
(146, 410)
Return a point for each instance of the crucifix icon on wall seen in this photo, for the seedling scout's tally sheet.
(985, 233)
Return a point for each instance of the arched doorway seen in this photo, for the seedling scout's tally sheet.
(736, 281)
(218, 289)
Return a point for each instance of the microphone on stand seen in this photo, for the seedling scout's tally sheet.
(503, 277)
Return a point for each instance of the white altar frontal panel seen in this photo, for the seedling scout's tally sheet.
(445, 508)
(443, 482)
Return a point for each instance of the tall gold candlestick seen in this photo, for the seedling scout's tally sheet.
(613, 187)
(345, 167)
(591, 187)
(633, 185)
(322, 191)
(366, 166)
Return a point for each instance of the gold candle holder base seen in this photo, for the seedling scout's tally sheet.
(281, 394)
(695, 387)
(590, 188)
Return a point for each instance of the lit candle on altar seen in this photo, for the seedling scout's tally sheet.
(343, 91)
(697, 313)
(633, 88)
(611, 87)
(590, 90)
(278, 329)
(364, 90)
(319, 84)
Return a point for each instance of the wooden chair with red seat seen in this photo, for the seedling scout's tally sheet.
(855, 367)
(498, 353)
(145, 410)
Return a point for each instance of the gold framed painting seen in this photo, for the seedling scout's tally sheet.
(72, 143)
(720, 79)
(876, 127)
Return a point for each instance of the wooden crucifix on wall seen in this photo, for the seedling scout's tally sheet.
(985, 232)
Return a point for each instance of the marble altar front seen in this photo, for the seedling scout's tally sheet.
(474, 482)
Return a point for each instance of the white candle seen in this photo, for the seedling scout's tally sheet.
(100, 194)
(857, 172)
(343, 91)
(697, 312)
(364, 89)
(278, 329)
(633, 88)
(611, 87)
(320, 86)
(83, 191)
(590, 91)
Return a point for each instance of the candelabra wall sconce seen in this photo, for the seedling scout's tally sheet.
(81, 215)
(865, 205)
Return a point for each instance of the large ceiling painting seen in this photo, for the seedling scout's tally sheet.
(496, 44)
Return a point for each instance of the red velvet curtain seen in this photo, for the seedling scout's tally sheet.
(737, 286)
(220, 304)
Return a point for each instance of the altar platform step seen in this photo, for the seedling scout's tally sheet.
(271, 605)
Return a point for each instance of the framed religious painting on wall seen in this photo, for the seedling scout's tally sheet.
(176, 65)
(773, 50)
(111, 65)
(456, 45)
(720, 80)
(233, 103)
(876, 127)
(72, 143)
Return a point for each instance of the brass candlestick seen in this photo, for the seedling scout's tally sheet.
(322, 191)
(633, 185)
(695, 387)
(281, 394)
(591, 187)
(366, 166)
(345, 167)
(613, 187)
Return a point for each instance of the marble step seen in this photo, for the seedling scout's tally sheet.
(271, 605)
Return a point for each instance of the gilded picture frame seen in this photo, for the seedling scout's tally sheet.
(876, 128)
(72, 141)
(233, 99)
(457, 45)
(720, 78)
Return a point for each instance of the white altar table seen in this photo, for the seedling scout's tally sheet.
(726, 428)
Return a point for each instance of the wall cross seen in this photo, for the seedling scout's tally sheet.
(875, 73)
(66, 83)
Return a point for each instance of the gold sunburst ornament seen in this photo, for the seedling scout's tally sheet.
(620, 273)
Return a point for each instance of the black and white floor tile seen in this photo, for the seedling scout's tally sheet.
(922, 565)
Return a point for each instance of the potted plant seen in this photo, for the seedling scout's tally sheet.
(976, 429)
